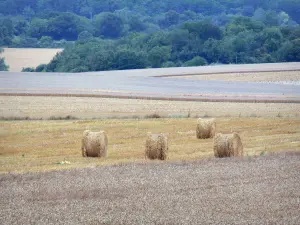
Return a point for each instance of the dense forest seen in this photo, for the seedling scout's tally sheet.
(130, 34)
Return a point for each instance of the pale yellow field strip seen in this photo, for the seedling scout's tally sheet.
(292, 77)
(88, 108)
(19, 58)
(40, 145)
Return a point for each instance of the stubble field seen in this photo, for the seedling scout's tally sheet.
(45, 180)
(292, 77)
(40, 145)
(43, 107)
(255, 190)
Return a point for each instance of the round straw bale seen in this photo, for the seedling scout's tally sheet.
(94, 144)
(228, 145)
(206, 128)
(156, 146)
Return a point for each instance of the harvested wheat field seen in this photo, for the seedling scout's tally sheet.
(19, 58)
(253, 190)
(44, 178)
(43, 145)
(14, 107)
(151, 84)
(286, 77)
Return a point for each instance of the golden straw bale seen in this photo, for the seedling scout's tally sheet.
(156, 146)
(94, 144)
(206, 128)
(228, 145)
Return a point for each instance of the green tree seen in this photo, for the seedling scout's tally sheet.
(157, 39)
(53, 66)
(189, 15)
(227, 51)
(24, 42)
(179, 38)
(267, 58)
(38, 28)
(3, 66)
(109, 25)
(241, 24)
(129, 59)
(28, 69)
(41, 68)
(68, 26)
(170, 18)
(203, 30)
(45, 42)
(6, 32)
(28, 12)
(168, 64)
(273, 39)
(259, 14)
(85, 36)
(20, 25)
(212, 50)
(80, 69)
(290, 51)
(136, 24)
(158, 55)
(196, 61)
(245, 41)
(283, 18)
(272, 18)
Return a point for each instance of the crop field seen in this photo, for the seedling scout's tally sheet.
(253, 190)
(45, 180)
(292, 77)
(41, 145)
(280, 83)
(43, 107)
(19, 58)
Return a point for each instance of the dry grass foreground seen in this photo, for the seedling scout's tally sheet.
(42, 145)
(19, 58)
(89, 108)
(254, 190)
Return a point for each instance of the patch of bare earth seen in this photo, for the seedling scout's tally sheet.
(19, 58)
(263, 190)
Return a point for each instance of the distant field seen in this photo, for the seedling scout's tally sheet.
(40, 145)
(19, 58)
(89, 108)
(125, 188)
(292, 77)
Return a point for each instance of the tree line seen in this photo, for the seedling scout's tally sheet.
(244, 40)
(128, 34)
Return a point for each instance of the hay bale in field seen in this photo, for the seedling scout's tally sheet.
(156, 146)
(206, 128)
(228, 145)
(94, 144)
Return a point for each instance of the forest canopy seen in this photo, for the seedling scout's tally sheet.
(130, 34)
